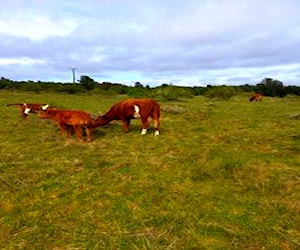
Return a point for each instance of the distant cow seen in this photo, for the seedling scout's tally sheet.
(133, 108)
(69, 120)
(27, 108)
(256, 97)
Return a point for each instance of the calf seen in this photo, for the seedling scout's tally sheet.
(27, 108)
(75, 119)
(131, 109)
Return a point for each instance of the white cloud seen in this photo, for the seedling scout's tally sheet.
(21, 61)
(36, 27)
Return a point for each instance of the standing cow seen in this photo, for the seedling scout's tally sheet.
(142, 109)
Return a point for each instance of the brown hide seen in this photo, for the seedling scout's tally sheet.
(66, 119)
(256, 97)
(125, 111)
(31, 107)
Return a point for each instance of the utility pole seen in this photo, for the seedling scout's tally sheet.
(73, 73)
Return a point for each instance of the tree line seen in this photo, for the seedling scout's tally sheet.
(267, 87)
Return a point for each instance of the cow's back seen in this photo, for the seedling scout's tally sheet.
(75, 117)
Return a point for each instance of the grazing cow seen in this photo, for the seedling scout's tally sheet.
(27, 108)
(71, 119)
(130, 109)
(256, 97)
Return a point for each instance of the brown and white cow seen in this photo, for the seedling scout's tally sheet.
(256, 97)
(27, 108)
(69, 120)
(142, 109)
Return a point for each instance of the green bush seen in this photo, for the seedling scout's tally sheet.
(172, 93)
(139, 92)
(221, 92)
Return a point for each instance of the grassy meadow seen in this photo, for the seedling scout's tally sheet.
(223, 174)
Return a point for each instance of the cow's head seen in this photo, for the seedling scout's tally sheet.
(48, 113)
(45, 106)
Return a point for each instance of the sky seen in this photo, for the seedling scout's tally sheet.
(154, 42)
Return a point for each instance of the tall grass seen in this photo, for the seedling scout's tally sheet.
(222, 175)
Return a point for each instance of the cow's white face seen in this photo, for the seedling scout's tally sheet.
(27, 110)
(44, 107)
(136, 111)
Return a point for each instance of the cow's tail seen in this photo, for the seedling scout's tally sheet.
(16, 104)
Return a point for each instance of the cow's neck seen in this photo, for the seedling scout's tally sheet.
(102, 120)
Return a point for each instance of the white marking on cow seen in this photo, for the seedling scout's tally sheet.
(44, 107)
(144, 131)
(136, 111)
(156, 133)
(27, 110)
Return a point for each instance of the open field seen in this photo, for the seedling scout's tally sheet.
(222, 175)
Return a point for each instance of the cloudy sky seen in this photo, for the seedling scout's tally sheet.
(184, 42)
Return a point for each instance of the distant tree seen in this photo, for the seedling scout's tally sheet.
(138, 84)
(271, 87)
(5, 83)
(293, 90)
(111, 88)
(247, 87)
(87, 82)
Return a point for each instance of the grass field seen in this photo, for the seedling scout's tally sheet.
(222, 175)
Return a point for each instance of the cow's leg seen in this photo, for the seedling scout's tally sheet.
(64, 129)
(156, 122)
(88, 133)
(68, 130)
(24, 115)
(145, 125)
(126, 124)
(156, 126)
(78, 132)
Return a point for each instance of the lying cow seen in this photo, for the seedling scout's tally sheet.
(27, 108)
(256, 97)
(131, 109)
(69, 120)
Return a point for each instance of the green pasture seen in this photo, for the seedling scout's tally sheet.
(223, 174)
